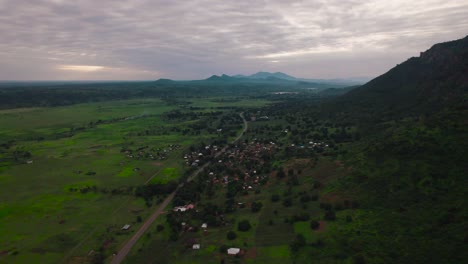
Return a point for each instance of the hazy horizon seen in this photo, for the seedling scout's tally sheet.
(48, 40)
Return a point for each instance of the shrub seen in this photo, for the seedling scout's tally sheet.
(244, 226)
(330, 215)
(231, 235)
(256, 206)
(314, 224)
(287, 202)
(160, 228)
(275, 198)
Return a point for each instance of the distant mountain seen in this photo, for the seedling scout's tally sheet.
(436, 79)
(223, 77)
(266, 75)
(164, 81)
(279, 75)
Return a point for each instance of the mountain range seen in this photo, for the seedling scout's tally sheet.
(278, 77)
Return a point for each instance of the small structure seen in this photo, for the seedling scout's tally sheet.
(233, 251)
(183, 208)
(180, 209)
(204, 226)
(126, 227)
(29, 162)
(196, 246)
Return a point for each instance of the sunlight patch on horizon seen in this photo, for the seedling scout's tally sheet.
(81, 68)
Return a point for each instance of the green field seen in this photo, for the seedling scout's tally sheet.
(69, 196)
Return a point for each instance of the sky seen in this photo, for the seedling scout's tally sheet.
(152, 39)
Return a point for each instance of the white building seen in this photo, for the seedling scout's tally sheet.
(233, 251)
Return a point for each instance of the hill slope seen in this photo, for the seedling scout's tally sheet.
(438, 78)
(409, 167)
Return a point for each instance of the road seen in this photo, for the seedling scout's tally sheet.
(123, 252)
(128, 246)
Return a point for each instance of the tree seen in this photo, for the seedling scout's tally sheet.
(287, 202)
(314, 224)
(244, 226)
(330, 215)
(256, 206)
(280, 174)
(231, 235)
(298, 242)
(160, 228)
(275, 197)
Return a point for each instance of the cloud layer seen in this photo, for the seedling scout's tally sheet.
(148, 39)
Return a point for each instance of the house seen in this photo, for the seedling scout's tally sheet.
(196, 246)
(183, 208)
(233, 251)
(179, 209)
(126, 227)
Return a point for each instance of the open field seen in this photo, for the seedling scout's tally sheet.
(69, 191)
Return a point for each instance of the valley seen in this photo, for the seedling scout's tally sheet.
(239, 169)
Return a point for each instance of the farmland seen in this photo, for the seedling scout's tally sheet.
(67, 173)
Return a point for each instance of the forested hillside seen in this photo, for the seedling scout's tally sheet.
(409, 169)
(421, 85)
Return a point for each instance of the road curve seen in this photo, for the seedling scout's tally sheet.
(123, 252)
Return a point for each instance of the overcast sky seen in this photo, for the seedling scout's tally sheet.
(151, 39)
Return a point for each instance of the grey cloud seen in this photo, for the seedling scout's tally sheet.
(193, 39)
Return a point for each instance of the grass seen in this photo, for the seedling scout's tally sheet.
(167, 174)
(272, 254)
(38, 207)
(126, 172)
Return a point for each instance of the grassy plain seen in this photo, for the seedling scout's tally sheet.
(54, 208)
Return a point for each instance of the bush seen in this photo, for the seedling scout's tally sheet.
(256, 206)
(223, 248)
(298, 243)
(330, 215)
(231, 235)
(160, 228)
(314, 224)
(305, 198)
(287, 202)
(301, 217)
(244, 226)
(275, 198)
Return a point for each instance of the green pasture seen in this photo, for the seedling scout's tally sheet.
(50, 212)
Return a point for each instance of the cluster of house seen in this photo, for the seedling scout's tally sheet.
(254, 151)
(312, 145)
(152, 154)
(196, 158)
(260, 118)
(230, 251)
(234, 158)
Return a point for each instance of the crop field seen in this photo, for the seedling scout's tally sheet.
(66, 174)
